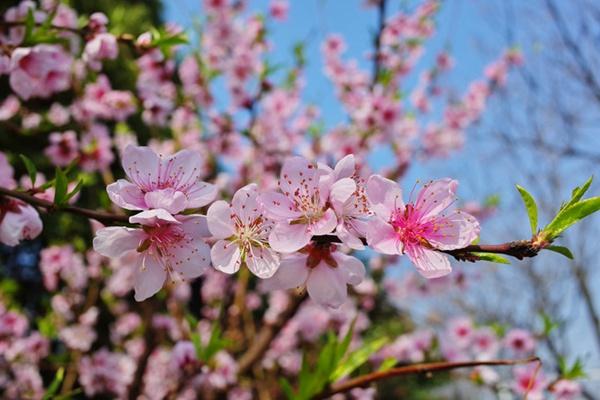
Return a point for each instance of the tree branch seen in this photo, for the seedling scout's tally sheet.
(267, 333)
(381, 13)
(51, 207)
(364, 380)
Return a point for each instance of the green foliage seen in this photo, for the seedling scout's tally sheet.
(492, 257)
(216, 343)
(333, 363)
(575, 371)
(549, 325)
(561, 250)
(61, 184)
(31, 169)
(531, 207)
(55, 385)
(571, 215)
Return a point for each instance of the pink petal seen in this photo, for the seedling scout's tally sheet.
(149, 277)
(219, 218)
(246, 203)
(126, 195)
(152, 217)
(341, 192)
(454, 231)
(226, 256)
(352, 267)
(346, 167)
(181, 171)
(435, 197)
(292, 273)
(431, 264)
(348, 238)
(201, 194)
(385, 196)
(327, 286)
(382, 237)
(194, 225)
(297, 173)
(325, 225)
(168, 199)
(262, 262)
(141, 164)
(190, 259)
(116, 240)
(278, 206)
(287, 238)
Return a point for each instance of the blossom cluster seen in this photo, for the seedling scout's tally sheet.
(275, 233)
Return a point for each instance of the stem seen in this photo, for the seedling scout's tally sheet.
(381, 11)
(51, 207)
(416, 369)
(263, 339)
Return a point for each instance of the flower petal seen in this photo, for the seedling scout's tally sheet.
(382, 237)
(278, 207)
(149, 277)
(431, 264)
(435, 197)
(126, 195)
(453, 231)
(141, 164)
(246, 204)
(116, 240)
(352, 267)
(349, 238)
(190, 259)
(181, 170)
(220, 221)
(262, 262)
(385, 196)
(200, 194)
(226, 256)
(171, 200)
(287, 238)
(298, 174)
(345, 168)
(153, 217)
(341, 192)
(327, 286)
(325, 225)
(292, 273)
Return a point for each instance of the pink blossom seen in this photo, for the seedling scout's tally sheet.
(78, 337)
(242, 232)
(565, 389)
(164, 246)
(58, 114)
(529, 381)
(520, 341)
(9, 107)
(102, 47)
(63, 149)
(184, 355)
(324, 271)
(225, 371)
(349, 201)
(40, 71)
(6, 173)
(300, 211)
(106, 373)
(420, 228)
(460, 331)
(18, 221)
(168, 182)
(96, 153)
(485, 343)
(279, 9)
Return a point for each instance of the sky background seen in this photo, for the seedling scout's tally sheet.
(466, 28)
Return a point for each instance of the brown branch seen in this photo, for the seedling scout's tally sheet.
(267, 333)
(51, 207)
(381, 12)
(367, 379)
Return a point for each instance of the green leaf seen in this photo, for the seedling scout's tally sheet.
(570, 215)
(343, 347)
(76, 190)
(561, 250)
(492, 257)
(531, 207)
(60, 187)
(388, 363)
(549, 324)
(578, 193)
(55, 385)
(357, 358)
(287, 388)
(31, 169)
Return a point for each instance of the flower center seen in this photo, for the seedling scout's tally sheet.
(409, 228)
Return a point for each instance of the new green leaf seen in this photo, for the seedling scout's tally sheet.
(570, 215)
(531, 207)
(31, 170)
(561, 250)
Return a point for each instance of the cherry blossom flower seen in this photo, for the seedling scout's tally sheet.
(300, 211)
(242, 232)
(102, 47)
(529, 381)
(18, 221)
(421, 228)
(40, 71)
(349, 201)
(565, 389)
(63, 149)
(324, 271)
(520, 341)
(171, 183)
(164, 246)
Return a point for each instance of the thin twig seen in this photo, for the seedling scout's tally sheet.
(364, 380)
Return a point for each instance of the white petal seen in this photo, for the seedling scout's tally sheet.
(226, 256)
(327, 286)
(149, 277)
(153, 217)
(219, 219)
(292, 273)
(115, 240)
(288, 238)
(262, 262)
(431, 264)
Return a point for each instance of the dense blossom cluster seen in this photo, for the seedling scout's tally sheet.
(195, 166)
